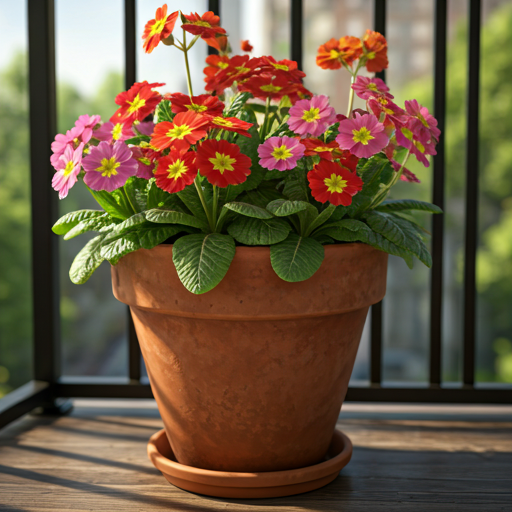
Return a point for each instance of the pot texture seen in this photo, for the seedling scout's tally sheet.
(250, 377)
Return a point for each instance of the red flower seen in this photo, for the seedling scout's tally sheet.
(136, 103)
(202, 104)
(286, 67)
(239, 68)
(231, 124)
(334, 53)
(331, 182)
(221, 163)
(324, 150)
(265, 86)
(158, 29)
(186, 126)
(176, 171)
(376, 51)
(206, 26)
(245, 46)
(215, 64)
(219, 42)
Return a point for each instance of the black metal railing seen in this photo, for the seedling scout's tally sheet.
(48, 385)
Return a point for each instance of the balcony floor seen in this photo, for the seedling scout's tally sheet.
(421, 458)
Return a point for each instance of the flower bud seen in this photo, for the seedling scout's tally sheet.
(168, 41)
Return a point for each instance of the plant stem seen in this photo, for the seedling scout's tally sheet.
(185, 53)
(351, 95)
(214, 205)
(265, 121)
(128, 199)
(199, 189)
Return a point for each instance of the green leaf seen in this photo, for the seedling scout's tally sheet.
(261, 196)
(283, 207)
(295, 186)
(92, 224)
(238, 103)
(70, 220)
(190, 198)
(137, 191)
(398, 205)
(116, 249)
(254, 231)
(249, 210)
(296, 258)
(138, 139)
(322, 218)
(87, 261)
(113, 203)
(163, 112)
(126, 225)
(400, 232)
(173, 217)
(202, 260)
(158, 198)
(152, 236)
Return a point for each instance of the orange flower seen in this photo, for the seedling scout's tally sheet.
(158, 29)
(376, 51)
(334, 53)
(239, 68)
(231, 124)
(318, 147)
(215, 64)
(284, 67)
(206, 26)
(202, 104)
(176, 171)
(219, 42)
(266, 86)
(245, 46)
(186, 126)
(221, 163)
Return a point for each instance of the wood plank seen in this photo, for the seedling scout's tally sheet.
(95, 460)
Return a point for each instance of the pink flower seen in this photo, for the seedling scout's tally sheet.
(68, 168)
(280, 153)
(108, 166)
(88, 123)
(145, 166)
(145, 128)
(311, 116)
(428, 128)
(406, 174)
(73, 138)
(367, 88)
(111, 132)
(363, 136)
(410, 133)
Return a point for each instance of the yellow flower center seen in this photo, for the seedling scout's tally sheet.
(407, 133)
(222, 122)
(222, 162)
(108, 167)
(323, 149)
(117, 131)
(197, 108)
(222, 65)
(372, 86)
(383, 101)
(282, 153)
(335, 54)
(157, 27)
(179, 132)
(201, 23)
(423, 120)
(370, 55)
(270, 88)
(284, 67)
(419, 146)
(363, 136)
(137, 103)
(69, 168)
(242, 69)
(177, 169)
(311, 115)
(335, 184)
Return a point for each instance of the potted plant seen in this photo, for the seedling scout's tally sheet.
(248, 230)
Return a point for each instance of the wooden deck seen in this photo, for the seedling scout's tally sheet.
(406, 458)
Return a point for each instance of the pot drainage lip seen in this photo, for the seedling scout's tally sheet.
(250, 485)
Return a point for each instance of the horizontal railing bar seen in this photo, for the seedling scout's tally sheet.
(23, 400)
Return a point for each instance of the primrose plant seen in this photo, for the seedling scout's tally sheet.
(257, 161)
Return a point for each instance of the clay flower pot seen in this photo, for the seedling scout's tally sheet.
(250, 377)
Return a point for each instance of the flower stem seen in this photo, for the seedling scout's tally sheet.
(185, 53)
(214, 205)
(351, 95)
(199, 189)
(265, 121)
(128, 199)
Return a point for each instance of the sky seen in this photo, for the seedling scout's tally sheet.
(89, 39)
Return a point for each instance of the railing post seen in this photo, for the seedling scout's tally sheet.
(472, 155)
(296, 35)
(214, 6)
(45, 251)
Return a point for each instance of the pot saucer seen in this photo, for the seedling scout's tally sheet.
(272, 484)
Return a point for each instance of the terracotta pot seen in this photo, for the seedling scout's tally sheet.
(250, 377)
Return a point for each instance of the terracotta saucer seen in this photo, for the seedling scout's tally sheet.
(271, 484)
